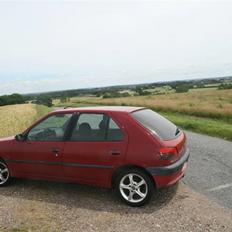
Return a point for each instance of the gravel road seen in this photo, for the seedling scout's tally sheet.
(210, 167)
(42, 206)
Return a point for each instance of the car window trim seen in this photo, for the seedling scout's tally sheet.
(68, 138)
(70, 128)
(45, 118)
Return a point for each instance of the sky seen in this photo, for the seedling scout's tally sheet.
(56, 45)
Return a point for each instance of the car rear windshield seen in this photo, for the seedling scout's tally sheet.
(156, 123)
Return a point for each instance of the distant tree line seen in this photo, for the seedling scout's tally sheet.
(183, 88)
(141, 91)
(124, 90)
(225, 86)
(11, 99)
(117, 91)
(43, 100)
(19, 99)
(114, 94)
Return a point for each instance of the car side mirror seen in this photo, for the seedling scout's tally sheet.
(20, 137)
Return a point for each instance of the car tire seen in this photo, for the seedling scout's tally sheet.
(134, 187)
(4, 174)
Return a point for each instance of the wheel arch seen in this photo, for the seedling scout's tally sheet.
(1, 159)
(128, 167)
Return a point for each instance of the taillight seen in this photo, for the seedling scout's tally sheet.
(168, 153)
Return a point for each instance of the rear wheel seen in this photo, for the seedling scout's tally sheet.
(4, 174)
(134, 187)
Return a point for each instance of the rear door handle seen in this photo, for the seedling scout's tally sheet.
(115, 152)
(56, 151)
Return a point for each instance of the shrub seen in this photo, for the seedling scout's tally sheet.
(11, 99)
(44, 100)
(225, 86)
(183, 88)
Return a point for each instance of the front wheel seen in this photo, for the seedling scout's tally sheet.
(4, 174)
(134, 187)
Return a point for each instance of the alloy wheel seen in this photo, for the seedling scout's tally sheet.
(133, 188)
(4, 173)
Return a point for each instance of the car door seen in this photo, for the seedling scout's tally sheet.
(40, 155)
(96, 145)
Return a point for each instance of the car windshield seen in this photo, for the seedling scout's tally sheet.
(157, 124)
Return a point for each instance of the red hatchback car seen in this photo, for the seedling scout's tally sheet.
(132, 149)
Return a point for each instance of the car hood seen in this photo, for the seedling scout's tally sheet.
(7, 139)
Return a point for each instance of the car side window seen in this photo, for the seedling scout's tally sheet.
(96, 127)
(51, 129)
(114, 132)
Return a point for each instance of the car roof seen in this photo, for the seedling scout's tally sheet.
(95, 109)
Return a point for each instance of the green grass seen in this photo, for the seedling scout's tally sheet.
(212, 127)
(207, 111)
(42, 111)
(18, 230)
(210, 103)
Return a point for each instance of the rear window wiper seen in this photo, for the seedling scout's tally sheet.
(177, 131)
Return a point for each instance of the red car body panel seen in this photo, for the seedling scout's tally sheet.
(94, 162)
(29, 158)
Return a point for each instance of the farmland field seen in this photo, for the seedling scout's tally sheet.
(207, 111)
(16, 118)
(208, 103)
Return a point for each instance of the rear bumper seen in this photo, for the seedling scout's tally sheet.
(169, 175)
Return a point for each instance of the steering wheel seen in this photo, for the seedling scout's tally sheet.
(49, 132)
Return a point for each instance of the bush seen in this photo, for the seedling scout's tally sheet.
(64, 99)
(225, 86)
(11, 99)
(115, 95)
(44, 100)
(142, 92)
(183, 88)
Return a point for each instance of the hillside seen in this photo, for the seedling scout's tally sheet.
(15, 119)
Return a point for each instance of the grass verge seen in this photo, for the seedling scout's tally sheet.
(212, 127)
(215, 127)
(41, 111)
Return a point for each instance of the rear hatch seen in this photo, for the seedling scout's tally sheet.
(169, 134)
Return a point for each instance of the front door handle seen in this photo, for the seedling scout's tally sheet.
(115, 152)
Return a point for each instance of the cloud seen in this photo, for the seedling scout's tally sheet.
(50, 46)
(112, 77)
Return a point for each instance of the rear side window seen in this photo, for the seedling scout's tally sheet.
(114, 132)
(156, 123)
(96, 127)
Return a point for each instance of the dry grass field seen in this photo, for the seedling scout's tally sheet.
(207, 111)
(16, 118)
(209, 103)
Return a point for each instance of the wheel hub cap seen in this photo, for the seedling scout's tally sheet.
(133, 188)
(4, 173)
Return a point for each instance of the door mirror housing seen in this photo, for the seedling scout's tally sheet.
(20, 137)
